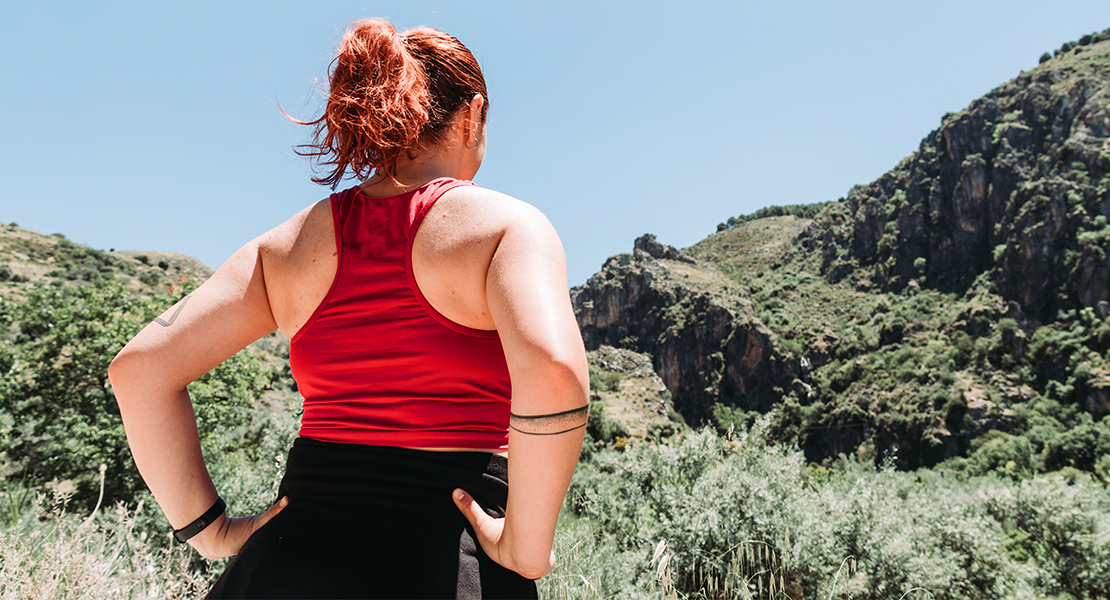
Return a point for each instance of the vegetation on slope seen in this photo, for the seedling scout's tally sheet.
(962, 294)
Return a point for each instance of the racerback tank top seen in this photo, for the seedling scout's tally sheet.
(376, 363)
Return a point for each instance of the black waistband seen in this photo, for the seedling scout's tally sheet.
(349, 476)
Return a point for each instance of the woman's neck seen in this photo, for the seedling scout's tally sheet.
(381, 185)
(414, 171)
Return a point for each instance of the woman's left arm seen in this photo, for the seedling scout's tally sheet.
(149, 378)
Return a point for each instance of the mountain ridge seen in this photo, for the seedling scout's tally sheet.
(963, 292)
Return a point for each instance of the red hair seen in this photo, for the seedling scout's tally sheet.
(386, 92)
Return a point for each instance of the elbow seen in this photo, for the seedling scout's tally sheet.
(569, 377)
(117, 366)
(127, 373)
(536, 568)
(533, 574)
(118, 372)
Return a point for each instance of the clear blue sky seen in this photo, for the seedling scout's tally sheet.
(154, 125)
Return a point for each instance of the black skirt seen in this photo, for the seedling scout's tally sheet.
(376, 522)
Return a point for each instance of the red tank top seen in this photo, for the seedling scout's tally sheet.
(377, 364)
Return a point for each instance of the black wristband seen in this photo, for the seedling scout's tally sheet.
(182, 535)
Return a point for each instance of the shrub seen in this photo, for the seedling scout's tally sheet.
(1004, 455)
(1081, 448)
(601, 429)
(65, 417)
(850, 530)
(802, 211)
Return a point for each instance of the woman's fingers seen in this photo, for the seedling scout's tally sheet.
(263, 518)
(487, 528)
(473, 512)
(229, 534)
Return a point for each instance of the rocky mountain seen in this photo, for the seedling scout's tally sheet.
(959, 300)
(697, 325)
(1015, 184)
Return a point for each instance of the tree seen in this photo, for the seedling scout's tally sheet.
(58, 416)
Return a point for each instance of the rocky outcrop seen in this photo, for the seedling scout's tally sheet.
(696, 324)
(1017, 183)
(630, 394)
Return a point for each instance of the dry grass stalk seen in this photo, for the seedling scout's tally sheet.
(48, 554)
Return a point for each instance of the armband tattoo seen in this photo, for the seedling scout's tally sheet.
(550, 424)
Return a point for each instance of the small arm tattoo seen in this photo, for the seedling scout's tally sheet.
(173, 317)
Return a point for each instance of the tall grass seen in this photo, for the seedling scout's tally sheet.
(49, 549)
(47, 553)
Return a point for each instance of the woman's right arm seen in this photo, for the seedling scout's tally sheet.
(241, 302)
(149, 379)
(528, 299)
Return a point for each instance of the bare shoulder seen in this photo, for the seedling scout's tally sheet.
(527, 248)
(493, 212)
(287, 238)
(299, 259)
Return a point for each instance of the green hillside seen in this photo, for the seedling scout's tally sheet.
(965, 292)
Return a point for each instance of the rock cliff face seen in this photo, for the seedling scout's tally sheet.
(1016, 182)
(915, 316)
(699, 327)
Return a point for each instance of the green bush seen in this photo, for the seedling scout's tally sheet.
(1004, 455)
(64, 420)
(601, 429)
(802, 211)
(848, 531)
(1081, 447)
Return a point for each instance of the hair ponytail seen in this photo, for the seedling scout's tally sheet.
(386, 92)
